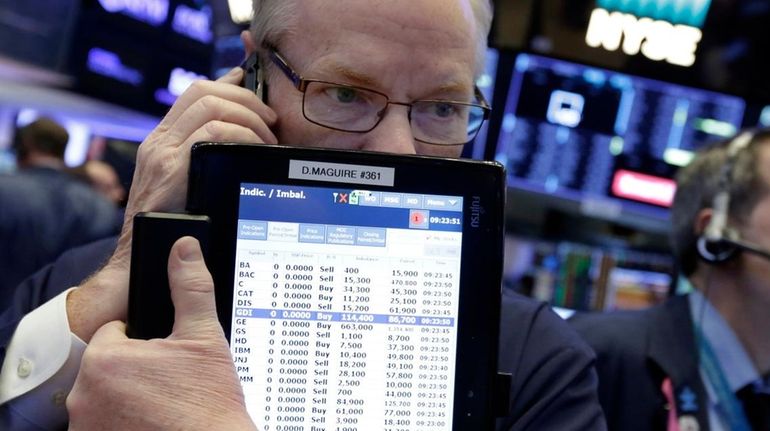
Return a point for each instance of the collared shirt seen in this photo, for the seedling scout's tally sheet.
(734, 361)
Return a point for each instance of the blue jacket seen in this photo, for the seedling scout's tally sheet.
(44, 212)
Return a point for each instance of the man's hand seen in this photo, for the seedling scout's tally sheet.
(208, 111)
(186, 381)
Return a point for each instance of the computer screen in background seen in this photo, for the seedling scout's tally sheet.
(633, 288)
(607, 140)
(581, 277)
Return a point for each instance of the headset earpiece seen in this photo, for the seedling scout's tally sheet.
(715, 252)
(713, 246)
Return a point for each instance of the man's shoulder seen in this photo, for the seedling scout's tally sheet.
(627, 332)
(612, 322)
(48, 191)
(533, 327)
(553, 381)
(21, 189)
(618, 331)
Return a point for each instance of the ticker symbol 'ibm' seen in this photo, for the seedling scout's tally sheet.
(565, 108)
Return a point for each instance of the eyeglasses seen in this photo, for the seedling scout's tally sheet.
(349, 108)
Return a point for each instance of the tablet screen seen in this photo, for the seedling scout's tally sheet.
(345, 307)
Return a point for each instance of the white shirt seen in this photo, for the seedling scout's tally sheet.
(40, 367)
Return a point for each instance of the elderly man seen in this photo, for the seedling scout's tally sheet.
(409, 50)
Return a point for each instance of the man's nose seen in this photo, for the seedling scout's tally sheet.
(393, 134)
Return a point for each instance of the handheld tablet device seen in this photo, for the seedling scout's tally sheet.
(359, 291)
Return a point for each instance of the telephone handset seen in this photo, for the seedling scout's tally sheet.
(253, 78)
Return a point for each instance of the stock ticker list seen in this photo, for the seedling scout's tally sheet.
(346, 327)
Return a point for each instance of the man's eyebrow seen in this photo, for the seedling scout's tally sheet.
(453, 87)
(355, 78)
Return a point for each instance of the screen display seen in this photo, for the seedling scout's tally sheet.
(345, 307)
(581, 132)
(139, 54)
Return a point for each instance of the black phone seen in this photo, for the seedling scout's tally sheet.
(150, 310)
(253, 78)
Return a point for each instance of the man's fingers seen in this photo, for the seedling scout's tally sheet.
(192, 290)
(189, 96)
(234, 76)
(222, 132)
(227, 87)
(211, 108)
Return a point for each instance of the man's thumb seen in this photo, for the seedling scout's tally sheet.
(192, 290)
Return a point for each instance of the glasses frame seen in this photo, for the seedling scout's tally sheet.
(301, 85)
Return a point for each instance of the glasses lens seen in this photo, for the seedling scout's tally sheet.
(343, 107)
(447, 123)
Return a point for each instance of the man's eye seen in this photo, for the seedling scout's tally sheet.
(444, 110)
(343, 94)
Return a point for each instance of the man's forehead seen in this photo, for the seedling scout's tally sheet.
(360, 39)
(409, 12)
(441, 22)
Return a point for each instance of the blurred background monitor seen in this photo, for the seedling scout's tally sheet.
(603, 143)
(631, 288)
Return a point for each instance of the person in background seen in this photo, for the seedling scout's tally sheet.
(700, 361)
(43, 210)
(352, 52)
(103, 178)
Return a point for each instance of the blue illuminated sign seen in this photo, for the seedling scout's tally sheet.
(152, 12)
(109, 64)
(195, 24)
(178, 82)
(687, 12)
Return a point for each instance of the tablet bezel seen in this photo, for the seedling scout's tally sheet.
(217, 171)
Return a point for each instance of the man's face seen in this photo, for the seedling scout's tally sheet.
(757, 231)
(407, 49)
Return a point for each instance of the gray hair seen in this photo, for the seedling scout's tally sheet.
(482, 11)
(274, 19)
(699, 182)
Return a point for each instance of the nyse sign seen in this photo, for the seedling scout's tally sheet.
(655, 39)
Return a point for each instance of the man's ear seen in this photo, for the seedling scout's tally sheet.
(702, 219)
(249, 45)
